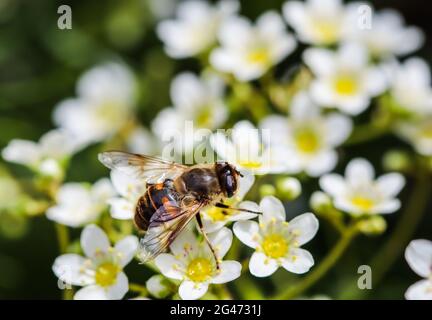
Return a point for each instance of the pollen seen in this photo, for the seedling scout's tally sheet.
(106, 274)
(259, 56)
(275, 246)
(346, 85)
(307, 141)
(363, 203)
(199, 270)
(216, 214)
(250, 164)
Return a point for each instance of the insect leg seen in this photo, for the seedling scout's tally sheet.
(224, 206)
(200, 224)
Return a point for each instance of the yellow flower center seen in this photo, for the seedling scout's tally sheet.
(250, 164)
(275, 246)
(199, 269)
(307, 141)
(346, 85)
(326, 30)
(106, 274)
(259, 56)
(363, 203)
(426, 132)
(204, 117)
(216, 214)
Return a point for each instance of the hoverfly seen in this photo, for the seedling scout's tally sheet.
(174, 195)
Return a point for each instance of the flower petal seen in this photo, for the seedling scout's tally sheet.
(92, 292)
(262, 266)
(94, 240)
(298, 261)
(272, 208)
(168, 266)
(359, 171)
(69, 268)
(221, 241)
(421, 290)
(229, 271)
(121, 209)
(391, 184)
(190, 290)
(119, 288)
(418, 254)
(333, 184)
(246, 232)
(304, 227)
(22, 151)
(127, 248)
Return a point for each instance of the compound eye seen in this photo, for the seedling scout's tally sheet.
(229, 185)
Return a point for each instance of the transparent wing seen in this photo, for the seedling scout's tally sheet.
(148, 168)
(165, 226)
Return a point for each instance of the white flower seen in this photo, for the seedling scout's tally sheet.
(215, 218)
(78, 203)
(100, 272)
(196, 101)
(387, 34)
(141, 140)
(46, 156)
(248, 149)
(195, 29)
(344, 79)
(418, 254)
(249, 51)
(319, 22)
(411, 86)
(418, 133)
(277, 242)
(193, 264)
(104, 103)
(359, 193)
(129, 190)
(309, 137)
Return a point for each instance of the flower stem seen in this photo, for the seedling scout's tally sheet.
(329, 261)
(138, 288)
(63, 243)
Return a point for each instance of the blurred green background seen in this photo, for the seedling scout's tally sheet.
(39, 65)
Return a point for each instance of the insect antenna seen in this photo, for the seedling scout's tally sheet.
(224, 206)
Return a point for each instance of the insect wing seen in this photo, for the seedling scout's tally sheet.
(166, 224)
(150, 169)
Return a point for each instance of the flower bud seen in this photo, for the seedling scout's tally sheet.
(288, 188)
(373, 225)
(267, 190)
(320, 201)
(396, 160)
(158, 286)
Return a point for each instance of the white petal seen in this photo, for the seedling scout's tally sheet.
(421, 290)
(187, 91)
(123, 182)
(221, 240)
(119, 288)
(391, 184)
(102, 190)
(92, 292)
(304, 226)
(121, 208)
(168, 266)
(246, 231)
(245, 183)
(69, 268)
(185, 244)
(262, 266)
(322, 163)
(94, 240)
(229, 271)
(419, 257)
(333, 184)
(339, 128)
(223, 146)
(190, 290)
(272, 208)
(127, 248)
(359, 171)
(302, 108)
(22, 152)
(321, 61)
(387, 206)
(298, 261)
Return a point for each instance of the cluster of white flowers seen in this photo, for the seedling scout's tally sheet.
(350, 68)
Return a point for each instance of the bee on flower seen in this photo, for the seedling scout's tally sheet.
(104, 104)
(100, 272)
(276, 241)
(308, 136)
(359, 193)
(248, 51)
(344, 79)
(418, 254)
(194, 31)
(192, 263)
